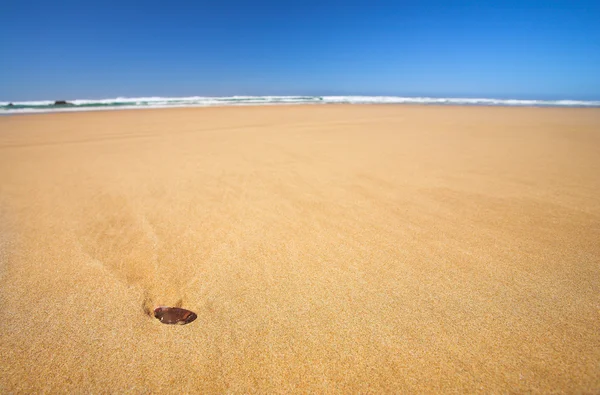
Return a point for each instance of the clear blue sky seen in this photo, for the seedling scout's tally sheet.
(102, 49)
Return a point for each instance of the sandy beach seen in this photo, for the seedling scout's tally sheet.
(324, 248)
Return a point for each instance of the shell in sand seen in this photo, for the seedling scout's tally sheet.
(174, 315)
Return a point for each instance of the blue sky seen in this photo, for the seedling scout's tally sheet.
(102, 49)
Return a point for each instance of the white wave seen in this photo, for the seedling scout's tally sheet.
(155, 99)
(28, 103)
(203, 101)
(449, 100)
(134, 106)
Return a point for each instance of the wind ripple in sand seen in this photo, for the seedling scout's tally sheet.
(115, 237)
(124, 243)
(6, 239)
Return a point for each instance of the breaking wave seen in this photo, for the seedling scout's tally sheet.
(202, 101)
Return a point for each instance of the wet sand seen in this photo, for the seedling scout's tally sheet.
(330, 249)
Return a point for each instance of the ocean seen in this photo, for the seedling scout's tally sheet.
(122, 103)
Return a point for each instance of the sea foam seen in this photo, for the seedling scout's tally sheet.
(122, 103)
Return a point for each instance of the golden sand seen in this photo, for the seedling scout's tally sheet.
(323, 248)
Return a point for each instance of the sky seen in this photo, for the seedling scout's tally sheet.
(87, 49)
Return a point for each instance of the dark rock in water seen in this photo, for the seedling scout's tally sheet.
(174, 315)
(61, 103)
(10, 105)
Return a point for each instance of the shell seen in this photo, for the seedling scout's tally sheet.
(174, 315)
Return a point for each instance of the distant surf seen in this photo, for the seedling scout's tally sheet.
(122, 103)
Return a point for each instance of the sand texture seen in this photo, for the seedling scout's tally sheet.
(329, 249)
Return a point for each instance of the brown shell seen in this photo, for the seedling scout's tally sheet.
(174, 315)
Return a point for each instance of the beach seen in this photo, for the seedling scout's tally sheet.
(324, 248)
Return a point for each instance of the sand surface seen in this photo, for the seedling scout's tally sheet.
(323, 248)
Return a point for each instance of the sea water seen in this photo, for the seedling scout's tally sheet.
(121, 103)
